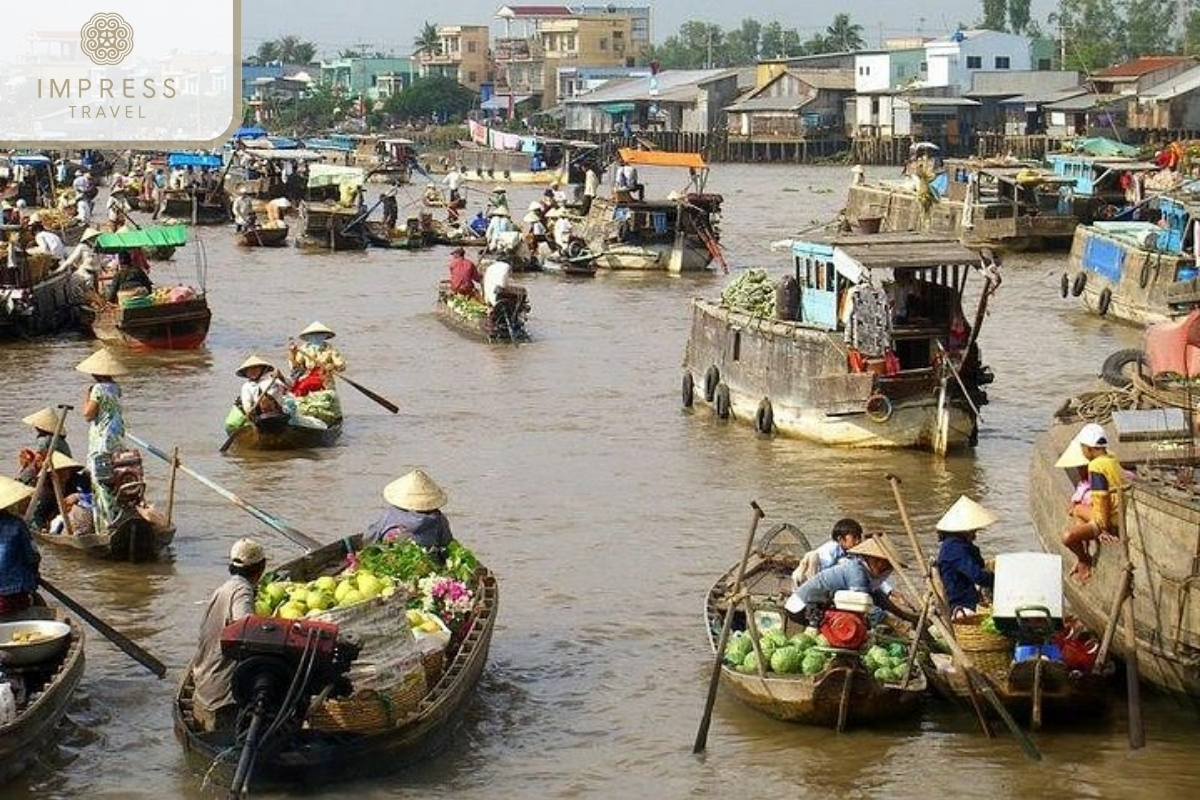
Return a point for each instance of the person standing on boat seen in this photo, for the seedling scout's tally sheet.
(213, 705)
(960, 564)
(19, 558)
(464, 275)
(1107, 481)
(315, 360)
(243, 210)
(847, 533)
(83, 195)
(44, 423)
(117, 209)
(591, 185)
(453, 182)
(497, 200)
(414, 512)
(391, 211)
(102, 408)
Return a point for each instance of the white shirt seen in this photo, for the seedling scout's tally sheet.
(51, 244)
(562, 230)
(591, 183)
(497, 225)
(495, 277)
(252, 391)
(453, 180)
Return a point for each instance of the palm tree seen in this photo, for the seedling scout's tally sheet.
(844, 35)
(428, 41)
(293, 50)
(267, 52)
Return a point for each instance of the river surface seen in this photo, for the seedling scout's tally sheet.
(606, 510)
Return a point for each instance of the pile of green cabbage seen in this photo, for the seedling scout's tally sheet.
(751, 291)
(323, 405)
(798, 655)
(886, 664)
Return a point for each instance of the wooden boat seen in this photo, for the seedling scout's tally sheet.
(325, 220)
(995, 203)
(168, 319)
(456, 235)
(844, 689)
(1141, 272)
(503, 322)
(46, 689)
(417, 234)
(302, 754)
(492, 156)
(1102, 171)
(676, 234)
(196, 205)
(580, 265)
(1151, 436)
(278, 432)
(918, 384)
(260, 236)
(35, 297)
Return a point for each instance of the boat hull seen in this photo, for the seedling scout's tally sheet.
(656, 243)
(164, 326)
(328, 226)
(290, 437)
(491, 327)
(263, 237)
(800, 373)
(35, 308)
(133, 537)
(314, 757)
(34, 732)
(1163, 532)
(1122, 280)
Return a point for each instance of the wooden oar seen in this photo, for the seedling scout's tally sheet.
(706, 719)
(137, 653)
(1133, 689)
(225, 445)
(298, 537)
(378, 398)
(926, 570)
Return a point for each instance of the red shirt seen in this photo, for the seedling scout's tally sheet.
(463, 275)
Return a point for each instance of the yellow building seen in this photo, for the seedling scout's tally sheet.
(462, 54)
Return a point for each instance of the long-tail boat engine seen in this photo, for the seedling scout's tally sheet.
(281, 666)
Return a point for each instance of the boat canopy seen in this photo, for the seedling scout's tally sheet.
(202, 160)
(856, 256)
(155, 236)
(283, 155)
(334, 175)
(661, 158)
(251, 132)
(30, 160)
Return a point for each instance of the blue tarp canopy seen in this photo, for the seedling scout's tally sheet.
(499, 102)
(194, 160)
(30, 160)
(251, 132)
(154, 236)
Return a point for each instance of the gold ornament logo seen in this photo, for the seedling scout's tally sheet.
(106, 39)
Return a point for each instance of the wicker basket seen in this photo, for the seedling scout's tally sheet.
(434, 662)
(371, 710)
(991, 652)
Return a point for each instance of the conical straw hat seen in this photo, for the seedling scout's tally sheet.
(44, 420)
(415, 491)
(317, 328)
(1072, 456)
(102, 362)
(872, 547)
(965, 515)
(253, 361)
(12, 492)
(60, 461)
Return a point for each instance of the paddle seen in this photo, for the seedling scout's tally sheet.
(122, 641)
(225, 445)
(706, 719)
(298, 537)
(378, 398)
(238, 430)
(1133, 689)
(934, 585)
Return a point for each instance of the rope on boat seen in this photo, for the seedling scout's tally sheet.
(1096, 406)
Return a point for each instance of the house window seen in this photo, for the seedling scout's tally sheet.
(603, 44)
(923, 68)
(471, 77)
(570, 46)
(472, 46)
(974, 62)
(1002, 62)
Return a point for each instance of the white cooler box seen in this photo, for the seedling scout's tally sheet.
(1028, 585)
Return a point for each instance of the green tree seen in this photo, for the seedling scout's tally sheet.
(1092, 32)
(294, 50)
(742, 45)
(427, 96)
(1148, 26)
(428, 41)
(1019, 17)
(267, 52)
(994, 13)
(843, 35)
(1189, 44)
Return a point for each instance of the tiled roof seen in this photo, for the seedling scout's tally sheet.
(1141, 66)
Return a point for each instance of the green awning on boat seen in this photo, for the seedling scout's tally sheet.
(156, 236)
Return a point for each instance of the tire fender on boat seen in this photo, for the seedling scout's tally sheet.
(1144, 275)
(879, 408)
(711, 378)
(1104, 301)
(1078, 284)
(721, 401)
(764, 417)
(689, 390)
(1066, 285)
(1115, 368)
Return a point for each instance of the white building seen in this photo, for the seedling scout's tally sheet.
(950, 62)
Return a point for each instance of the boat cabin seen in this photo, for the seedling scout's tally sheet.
(896, 298)
(1003, 189)
(29, 178)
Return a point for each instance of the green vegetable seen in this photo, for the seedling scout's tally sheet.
(461, 563)
(885, 675)
(802, 641)
(988, 625)
(787, 660)
(404, 560)
(737, 647)
(896, 650)
(750, 663)
(813, 663)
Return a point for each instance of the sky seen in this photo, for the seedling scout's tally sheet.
(391, 25)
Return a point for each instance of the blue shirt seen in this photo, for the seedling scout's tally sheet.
(18, 557)
(962, 569)
(430, 529)
(850, 573)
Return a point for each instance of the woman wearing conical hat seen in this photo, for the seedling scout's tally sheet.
(314, 360)
(959, 561)
(72, 482)
(43, 423)
(102, 408)
(18, 557)
(414, 512)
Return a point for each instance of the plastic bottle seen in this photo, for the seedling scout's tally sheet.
(8, 704)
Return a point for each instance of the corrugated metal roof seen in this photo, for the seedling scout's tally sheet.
(674, 84)
(1174, 87)
(1085, 101)
(770, 103)
(934, 102)
(1043, 98)
(1141, 66)
(1014, 82)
